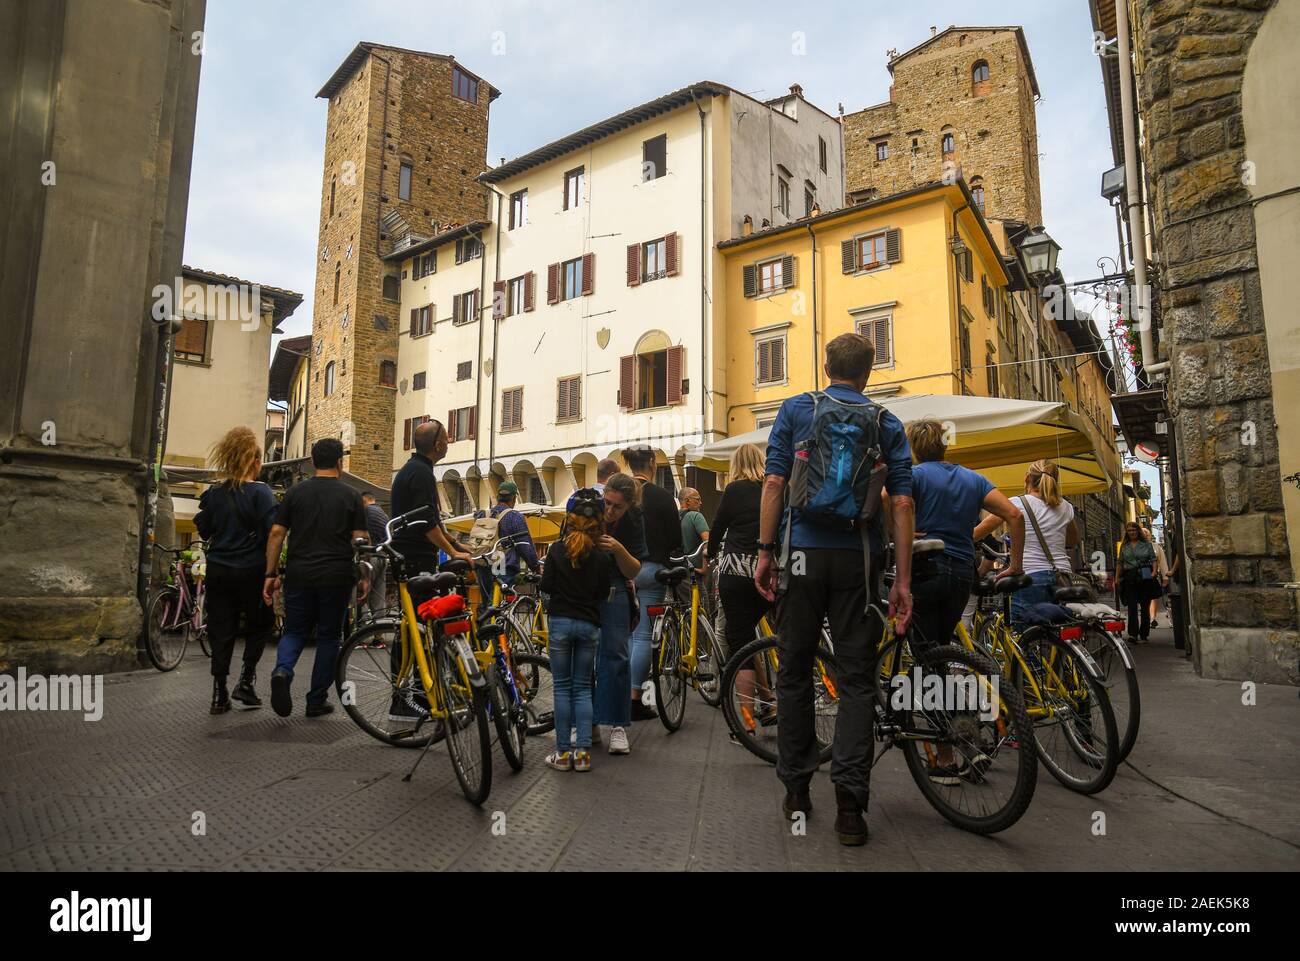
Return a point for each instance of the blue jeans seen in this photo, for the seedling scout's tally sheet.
(304, 608)
(613, 668)
(1039, 593)
(483, 573)
(572, 647)
(649, 593)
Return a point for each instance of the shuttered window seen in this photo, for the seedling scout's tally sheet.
(573, 278)
(573, 188)
(418, 379)
(880, 331)
(568, 399)
(462, 423)
(512, 408)
(424, 266)
(421, 321)
(465, 370)
(653, 379)
(515, 296)
(653, 260)
(465, 308)
(408, 426)
(769, 361)
(192, 342)
(769, 276)
(518, 209)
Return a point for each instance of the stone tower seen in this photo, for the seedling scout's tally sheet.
(406, 134)
(962, 101)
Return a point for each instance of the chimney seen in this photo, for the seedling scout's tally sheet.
(933, 31)
(816, 210)
(766, 223)
(796, 90)
(747, 226)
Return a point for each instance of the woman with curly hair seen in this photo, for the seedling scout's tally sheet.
(235, 517)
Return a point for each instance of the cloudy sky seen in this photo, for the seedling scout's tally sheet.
(259, 145)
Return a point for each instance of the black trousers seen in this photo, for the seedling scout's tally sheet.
(830, 584)
(232, 591)
(940, 589)
(1138, 598)
(744, 608)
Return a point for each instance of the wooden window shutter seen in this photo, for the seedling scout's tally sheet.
(473, 422)
(451, 426)
(848, 256)
(751, 280)
(893, 245)
(530, 283)
(193, 337)
(575, 397)
(415, 321)
(588, 274)
(675, 363)
(406, 434)
(561, 399)
(880, 338)
(633, 265)
(670, 254)
(787, 271)
(764, 372)
(455, 310)
(777, 359)
(499, 299)
(553, 284)
(627, 382)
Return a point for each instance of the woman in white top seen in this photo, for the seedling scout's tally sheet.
(1056, 528)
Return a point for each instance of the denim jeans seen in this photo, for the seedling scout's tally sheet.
(572, 647)
(322, 608)
(649, 593)
(940, 589)
(613, 667)
(1039, 593)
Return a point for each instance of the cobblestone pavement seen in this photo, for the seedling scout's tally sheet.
(1212, 785)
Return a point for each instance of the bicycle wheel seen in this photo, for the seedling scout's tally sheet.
(748, 693)
(1074, 725)
(469, 744)
(389, 712)
(708, 673)
(519, 625)
(533, 678)
(1119, 677)
(167, 631)
(508, 722)
(969, 750)
(669, 681)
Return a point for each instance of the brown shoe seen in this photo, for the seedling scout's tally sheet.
(850, 826)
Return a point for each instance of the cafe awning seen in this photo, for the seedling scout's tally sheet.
(544, 522)
(998, 437)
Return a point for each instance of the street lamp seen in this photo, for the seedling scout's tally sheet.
(1039, 252)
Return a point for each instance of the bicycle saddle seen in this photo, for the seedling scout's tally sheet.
(672, 575)
(425, 586)
(454, 565)
(1064, 594)
(490, 613)
(1002, 585)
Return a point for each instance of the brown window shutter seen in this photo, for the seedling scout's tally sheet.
(675, 359)
(499, 299)
(670, 254)
(561, 398)
(751, 280)
(633, 265)
(406, 434)
(627, 382)
(763, 374)
(530, 282)
(893, 245)
(778, 359)
(193, 338)
(553, 284)
(455, 310)
(575, 397)
(451, 426)
(787, 271)
(848, 256)
(473, 422)
(588, 274)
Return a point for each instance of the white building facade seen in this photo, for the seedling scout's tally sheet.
(585, 315)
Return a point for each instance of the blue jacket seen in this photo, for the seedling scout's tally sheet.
(236, 523)
(513, 532)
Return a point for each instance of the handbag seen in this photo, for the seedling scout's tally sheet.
(1063, 578)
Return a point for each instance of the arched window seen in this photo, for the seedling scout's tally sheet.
(980, 72)
(329, 378)
(948, 143)
(977, 192)
(387, 373)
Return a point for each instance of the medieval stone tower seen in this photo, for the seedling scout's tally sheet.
(406, 134)
(961, 101)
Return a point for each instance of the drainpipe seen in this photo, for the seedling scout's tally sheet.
(1132, 188)
(812, 247)
(492, 406)
(705, 249)
(956, 273)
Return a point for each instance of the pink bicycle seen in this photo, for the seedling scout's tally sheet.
(177, 614)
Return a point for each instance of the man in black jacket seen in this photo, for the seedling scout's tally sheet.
(414, 487)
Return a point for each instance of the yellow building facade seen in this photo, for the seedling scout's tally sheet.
(918, 272)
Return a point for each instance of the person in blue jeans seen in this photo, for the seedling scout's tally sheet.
(577, 578)
(325, 516)
(624, 541)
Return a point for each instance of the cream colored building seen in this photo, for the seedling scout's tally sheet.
(581, 316)
(290, 368)
(218, 377)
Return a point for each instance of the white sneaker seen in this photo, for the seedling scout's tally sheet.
(618, 741)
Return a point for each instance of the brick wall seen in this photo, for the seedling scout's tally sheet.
(1191, 60)
(445, 140)
(995, 133)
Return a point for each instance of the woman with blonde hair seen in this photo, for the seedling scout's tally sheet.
(1051, 534)
(235, 517)
(733, 541)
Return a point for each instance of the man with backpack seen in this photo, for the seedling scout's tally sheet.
(514, 541)
(833, 451)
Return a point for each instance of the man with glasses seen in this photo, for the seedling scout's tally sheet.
(414, 487)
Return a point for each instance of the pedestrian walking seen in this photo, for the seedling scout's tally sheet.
(1162, 576)
(376, 527)
(663, 539)
(1137, 566)
(833, 569)
(235, 518)
(325, 516)
(1054, 534)
(624, 541)
(577, 578)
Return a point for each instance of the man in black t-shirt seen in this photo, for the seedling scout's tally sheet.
(414, 487)
(325, 515)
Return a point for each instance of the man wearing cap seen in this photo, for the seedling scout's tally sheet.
(515, 540)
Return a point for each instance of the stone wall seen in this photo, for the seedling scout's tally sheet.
(1190, 63)
(445, 138)
(993, 124)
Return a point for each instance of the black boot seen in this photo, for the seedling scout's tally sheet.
(220, 698)
(796, 803)
(850, 826)
(244, 694)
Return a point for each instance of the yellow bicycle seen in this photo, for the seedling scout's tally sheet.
(685, 647)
